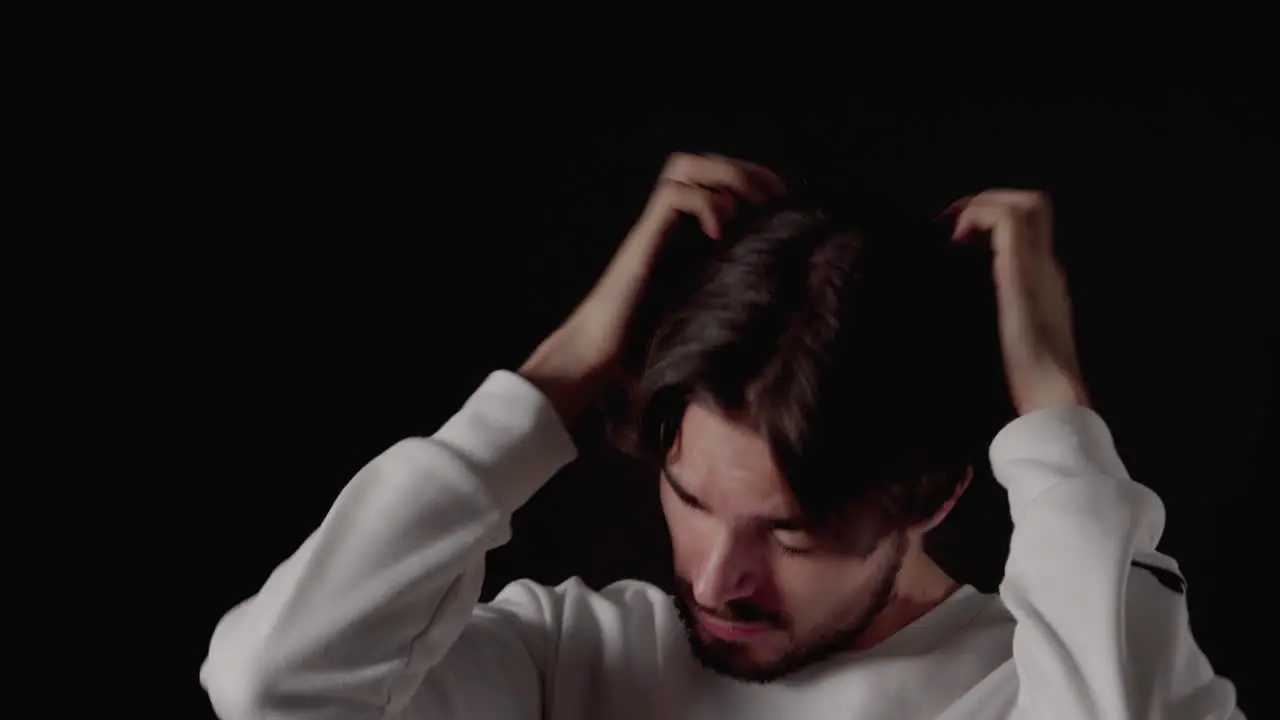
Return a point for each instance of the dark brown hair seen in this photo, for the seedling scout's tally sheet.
(868, 362)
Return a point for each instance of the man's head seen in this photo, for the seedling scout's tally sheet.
(814, 404)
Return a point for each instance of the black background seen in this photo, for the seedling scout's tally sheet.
(360, 266)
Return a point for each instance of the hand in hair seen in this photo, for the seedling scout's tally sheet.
(575, 361)
(1036, 334)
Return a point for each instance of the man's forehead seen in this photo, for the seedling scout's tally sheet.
(726, 464)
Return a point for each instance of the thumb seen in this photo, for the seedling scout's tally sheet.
(972, 220)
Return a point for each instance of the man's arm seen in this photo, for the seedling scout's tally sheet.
(1102, 628)
(351, 624)
(376, 612)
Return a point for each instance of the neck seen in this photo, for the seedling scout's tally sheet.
(921, 586)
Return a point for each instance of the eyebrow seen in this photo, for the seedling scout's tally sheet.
(787, 524)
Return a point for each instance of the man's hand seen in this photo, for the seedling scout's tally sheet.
(1036, 333)
(577, 359)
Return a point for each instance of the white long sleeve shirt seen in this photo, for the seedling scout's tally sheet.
(376, 615)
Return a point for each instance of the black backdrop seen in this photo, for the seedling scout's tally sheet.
(357, 282)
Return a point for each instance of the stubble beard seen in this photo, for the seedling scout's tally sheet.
(730, 659)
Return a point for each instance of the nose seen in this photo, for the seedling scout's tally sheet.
(731, 571)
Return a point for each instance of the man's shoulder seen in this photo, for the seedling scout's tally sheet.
(633, 612)
(621, 595)
(991, 626)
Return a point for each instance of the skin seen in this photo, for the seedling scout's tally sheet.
(786, 598)
(744, 559)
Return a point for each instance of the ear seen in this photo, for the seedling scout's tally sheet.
(936, 519)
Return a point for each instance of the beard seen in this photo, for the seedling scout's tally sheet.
(732, 660)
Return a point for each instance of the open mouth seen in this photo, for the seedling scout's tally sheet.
(725, 630)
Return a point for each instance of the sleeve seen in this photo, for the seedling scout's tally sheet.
(1102, 627)
(351, 624)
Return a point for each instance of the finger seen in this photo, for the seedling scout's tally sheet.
(1023, 199)
(965, 228)
(978, 217)
(717, 173)
(956, 206)
(770, 182)
(724, 204)
(711, 207)
(1027, 212)
(732, 175)
(1031, 205)
(1009, 233)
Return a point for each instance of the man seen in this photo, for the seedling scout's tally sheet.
(806, 444)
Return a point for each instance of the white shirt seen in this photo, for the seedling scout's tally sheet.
(376, 615)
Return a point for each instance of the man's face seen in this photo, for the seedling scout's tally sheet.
(759, 595)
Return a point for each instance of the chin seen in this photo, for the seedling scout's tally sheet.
(765, 655)
(752, 655)
(746, 662)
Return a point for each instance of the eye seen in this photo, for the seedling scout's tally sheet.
(793, 543)
(689, 502)
(683, 495)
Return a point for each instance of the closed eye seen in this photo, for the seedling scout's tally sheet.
(685, 496)
(793, 542)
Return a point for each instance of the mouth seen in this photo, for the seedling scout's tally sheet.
(734, 632)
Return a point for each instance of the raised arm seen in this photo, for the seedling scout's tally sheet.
(350, 625)
(375, 615)
(1102, 629)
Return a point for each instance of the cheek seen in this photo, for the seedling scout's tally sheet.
(815, 587)
(691, 534)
